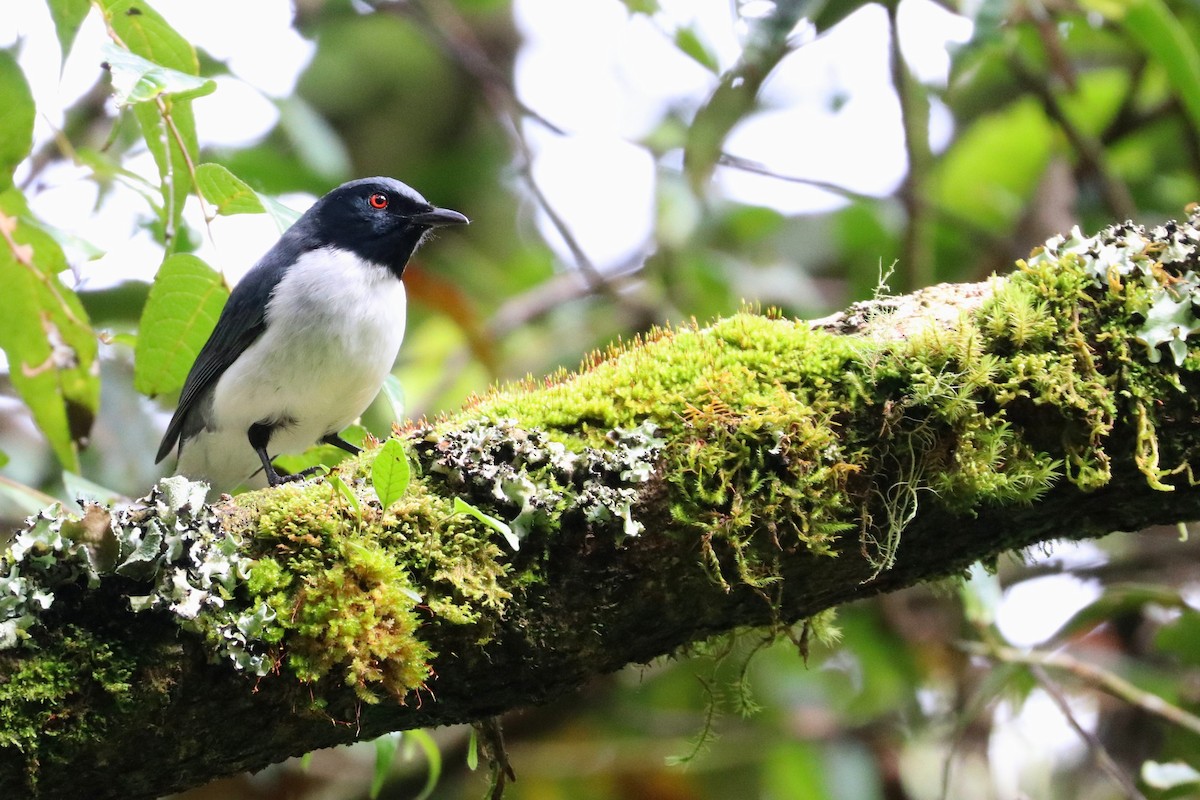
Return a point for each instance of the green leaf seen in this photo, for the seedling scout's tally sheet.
(1164, 39)
(231, 195)
(347, 494)
(1179, 637)
(463, 507)
(68, 15)
(284, 217)
(168, 125)
(385, 753)
(138, 80)
(3, 458)
(16, 118)
(647, 7)
(143, 31)
(45, 332)
(687, 40)
(432, 755)
(473, 751)
(995, 165)
(184, 303)
(317, 144)
(24, 499)
(78, 487)
(390, 473)
(393, 393)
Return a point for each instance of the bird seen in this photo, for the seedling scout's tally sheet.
(307, 337)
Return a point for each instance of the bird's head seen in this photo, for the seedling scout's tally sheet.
(379, 219)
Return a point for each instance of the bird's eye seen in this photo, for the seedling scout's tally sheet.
(378, 200)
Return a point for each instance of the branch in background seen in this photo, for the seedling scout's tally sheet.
(1092, 156)
(736, 94)
(1092, 675)
(986, 238)
(89, 108)
(1097, 749)
(444, 25)
(917, 262)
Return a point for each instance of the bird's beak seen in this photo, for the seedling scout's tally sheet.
(439, 217)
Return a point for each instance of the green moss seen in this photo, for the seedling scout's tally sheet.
(756, 444)
(769, 424)
(756, 437)
(336, 589)
(357, 615)
(65, 688)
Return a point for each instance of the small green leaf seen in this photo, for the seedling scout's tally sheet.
(229, 193)
(138, 80)
(473, 751)
(346, 492)
(463, 507)
(390, 473)
(393, 392)
(68, 16)
(687, 40)
(647, 7)
(16, 118)
(432, 755)
(185, 300)
(385, 753)
(78, 487)
(3, 458)
(283, 216)
(25, 499)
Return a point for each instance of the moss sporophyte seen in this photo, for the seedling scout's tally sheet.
(754, 438)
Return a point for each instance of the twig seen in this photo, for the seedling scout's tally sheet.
(758, 168)
(1092, 675)
(1091, 151)
(917, 251)
(1098, 751)
(449, 29)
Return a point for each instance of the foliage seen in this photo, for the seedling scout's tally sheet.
(1083, 114)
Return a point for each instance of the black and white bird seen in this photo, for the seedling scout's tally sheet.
(307, 337)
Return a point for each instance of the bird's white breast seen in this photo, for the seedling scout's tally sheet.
(334, 327)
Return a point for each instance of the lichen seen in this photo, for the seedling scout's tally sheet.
(777, 436)
(750, 440)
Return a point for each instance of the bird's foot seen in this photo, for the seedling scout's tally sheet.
(274, 478)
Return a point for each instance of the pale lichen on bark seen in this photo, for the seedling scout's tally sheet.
(751, 472)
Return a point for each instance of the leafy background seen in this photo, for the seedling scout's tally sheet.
(1048, 115)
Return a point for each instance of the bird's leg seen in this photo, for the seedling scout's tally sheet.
(259, 434)
(338, 441)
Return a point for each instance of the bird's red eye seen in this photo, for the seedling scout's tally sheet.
(378, 200)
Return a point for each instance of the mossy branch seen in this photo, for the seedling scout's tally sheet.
(754, 472)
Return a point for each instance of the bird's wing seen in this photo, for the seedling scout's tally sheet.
(241, 322)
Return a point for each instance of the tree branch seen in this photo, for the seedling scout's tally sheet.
(753, 472)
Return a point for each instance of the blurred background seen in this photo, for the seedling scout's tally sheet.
(634, 163)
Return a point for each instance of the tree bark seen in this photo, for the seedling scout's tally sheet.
(751, 473)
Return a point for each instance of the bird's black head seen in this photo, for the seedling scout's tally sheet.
(378, 219)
